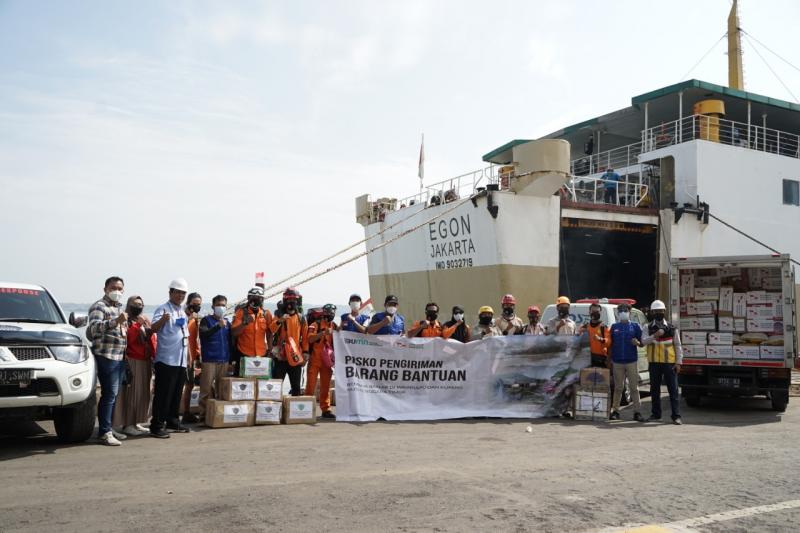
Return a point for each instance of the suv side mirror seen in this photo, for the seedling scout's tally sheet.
(78, 320)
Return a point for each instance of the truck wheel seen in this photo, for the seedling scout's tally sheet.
(76, 424)
(692, 399)
(780, 399)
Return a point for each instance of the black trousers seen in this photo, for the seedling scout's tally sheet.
(664, 372)
(280, 369)
(167, 394)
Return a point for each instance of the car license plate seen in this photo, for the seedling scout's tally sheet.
(728, 382)
(16, 376)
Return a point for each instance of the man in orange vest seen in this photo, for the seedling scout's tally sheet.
(320, 339)
(430, 327)
(290, 338)
(251, 324)
(599, 337)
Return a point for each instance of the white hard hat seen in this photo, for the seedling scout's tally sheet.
(256, 291)
(658, 305)
(179, 284)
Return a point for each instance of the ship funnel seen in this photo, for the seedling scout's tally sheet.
(541, 167)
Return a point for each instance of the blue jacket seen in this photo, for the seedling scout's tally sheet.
(622, 350)
(395, 328)
(347, 321)
(215, 342)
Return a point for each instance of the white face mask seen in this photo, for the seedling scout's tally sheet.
(458, 316)
(624, 316)
(219, 311)
(115, 296)
(391, 310)
(355, 306)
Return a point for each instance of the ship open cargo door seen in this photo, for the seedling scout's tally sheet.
(601, 258)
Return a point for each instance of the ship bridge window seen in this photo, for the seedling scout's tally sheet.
(791, 192)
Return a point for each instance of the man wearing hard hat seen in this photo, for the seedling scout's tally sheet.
(485, 326)
(562, 324)
(665, 354)
(172, 356)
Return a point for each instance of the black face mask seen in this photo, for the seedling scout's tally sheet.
(484, 320)
(563, 313)
(290, 308)
(431, 315)
(329, 318)
(135, 311)
(508, 311)
(658, 316)
(194, 308)
(533, 319)
(595, 316)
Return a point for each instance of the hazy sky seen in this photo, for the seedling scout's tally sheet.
(210, 140)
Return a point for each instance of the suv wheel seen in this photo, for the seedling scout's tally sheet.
(780, 399)
(76, 423)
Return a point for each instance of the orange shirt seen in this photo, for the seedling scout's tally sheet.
(431, 330)
(316, 348)
(595, 346)
(252, 342)
(293, 327)
(194, 339)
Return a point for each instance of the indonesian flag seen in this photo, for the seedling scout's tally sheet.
(259, 278)
(421, 171)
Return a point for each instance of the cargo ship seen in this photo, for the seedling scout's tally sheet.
(704, 170)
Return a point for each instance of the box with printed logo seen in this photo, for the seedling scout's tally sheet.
(756, 297)
(740, 325)
(268, 413)
(194, 401)
(706, 293)
(694, 337)
(588, 404)
(746, 351)
(726, 323)
(700, 308)
(706, 282)
(255, 367)
(269, 390)
(694, 350)
(230, 414)
(740, 304)
(299, 410)
(595, 378)
(720, 338)
(725, 301)
(237, 389)
(719, 351)
(707, 323)
(772, 352)
(764, 325)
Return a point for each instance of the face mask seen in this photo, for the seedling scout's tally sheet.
(115, 296)
(290, 308)
(391, 310)
(135, 311)
(219, 311)
(595, 316)
(355, 306)
(624, 316)
(458, 316)
(484, 320)
(533, 318)
(508, 311)
(194, 308)
(658, 317)
(563, 312)
(431, 315)
(255, 304)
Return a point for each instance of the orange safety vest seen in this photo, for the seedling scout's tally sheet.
(595, 346)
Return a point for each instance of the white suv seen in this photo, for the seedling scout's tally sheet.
(46, 367)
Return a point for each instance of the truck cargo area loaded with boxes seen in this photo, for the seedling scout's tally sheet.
(737, 320)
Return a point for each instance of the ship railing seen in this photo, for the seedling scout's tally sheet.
(714, 129)
(453, 188)
(592, 190)
(620, 159)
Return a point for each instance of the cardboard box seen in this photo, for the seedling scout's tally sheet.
(776, 301)
(726, 323)
(194, 401)
(694, 337)
(237, 389)
(333, 395)
(225, 414)
(730, 272)
(720, 338)
(269, 390)
(740, 304)
(756, 297)
(694, 350)
(772, 352)
(255, 367)
(719, 351)
(703, 323)
(268, 413)
(700, 308)
(740, 325)
(687, 286)
(755, 312)
(685, 323)
(595, 378)
(706, 293)
(591, 405)
(725, 301)
(299, 410)
(746, 351)
(764, 325)
(707, 282)
(771, 283)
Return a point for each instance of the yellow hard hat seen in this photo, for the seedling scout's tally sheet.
(562, 300)
(485, 309)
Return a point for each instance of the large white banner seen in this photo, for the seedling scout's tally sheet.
(396, 378)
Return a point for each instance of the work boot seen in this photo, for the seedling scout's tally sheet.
(614, 415)
(190, 418)
(159, 433)
(653, 418)
(329, 414)
(638, 417)
(677, 421)
(177, 427)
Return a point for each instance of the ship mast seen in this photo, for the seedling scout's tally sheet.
(735, 74)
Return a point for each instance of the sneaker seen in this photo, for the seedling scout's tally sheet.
(329, 415)
(109, 440)
(133, 431)
(677, 421)
(119, 435)
(159, 433)
(614, 415)
(178, 428)
(143, 428)
(653, 418)
(566, 414)
(638, 417)
(189, 418)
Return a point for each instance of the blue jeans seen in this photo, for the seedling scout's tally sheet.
(664, 372)
(109, 374)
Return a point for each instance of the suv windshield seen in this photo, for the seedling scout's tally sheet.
(28, 305)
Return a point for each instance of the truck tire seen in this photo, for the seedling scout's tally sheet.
(692, 398)
(780, 399)
(76, 423)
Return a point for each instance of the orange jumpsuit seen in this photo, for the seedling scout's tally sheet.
(317, 368)
(252, 341)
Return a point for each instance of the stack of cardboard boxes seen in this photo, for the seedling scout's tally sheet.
(731, 313)
(591, 400)
(249, 401)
